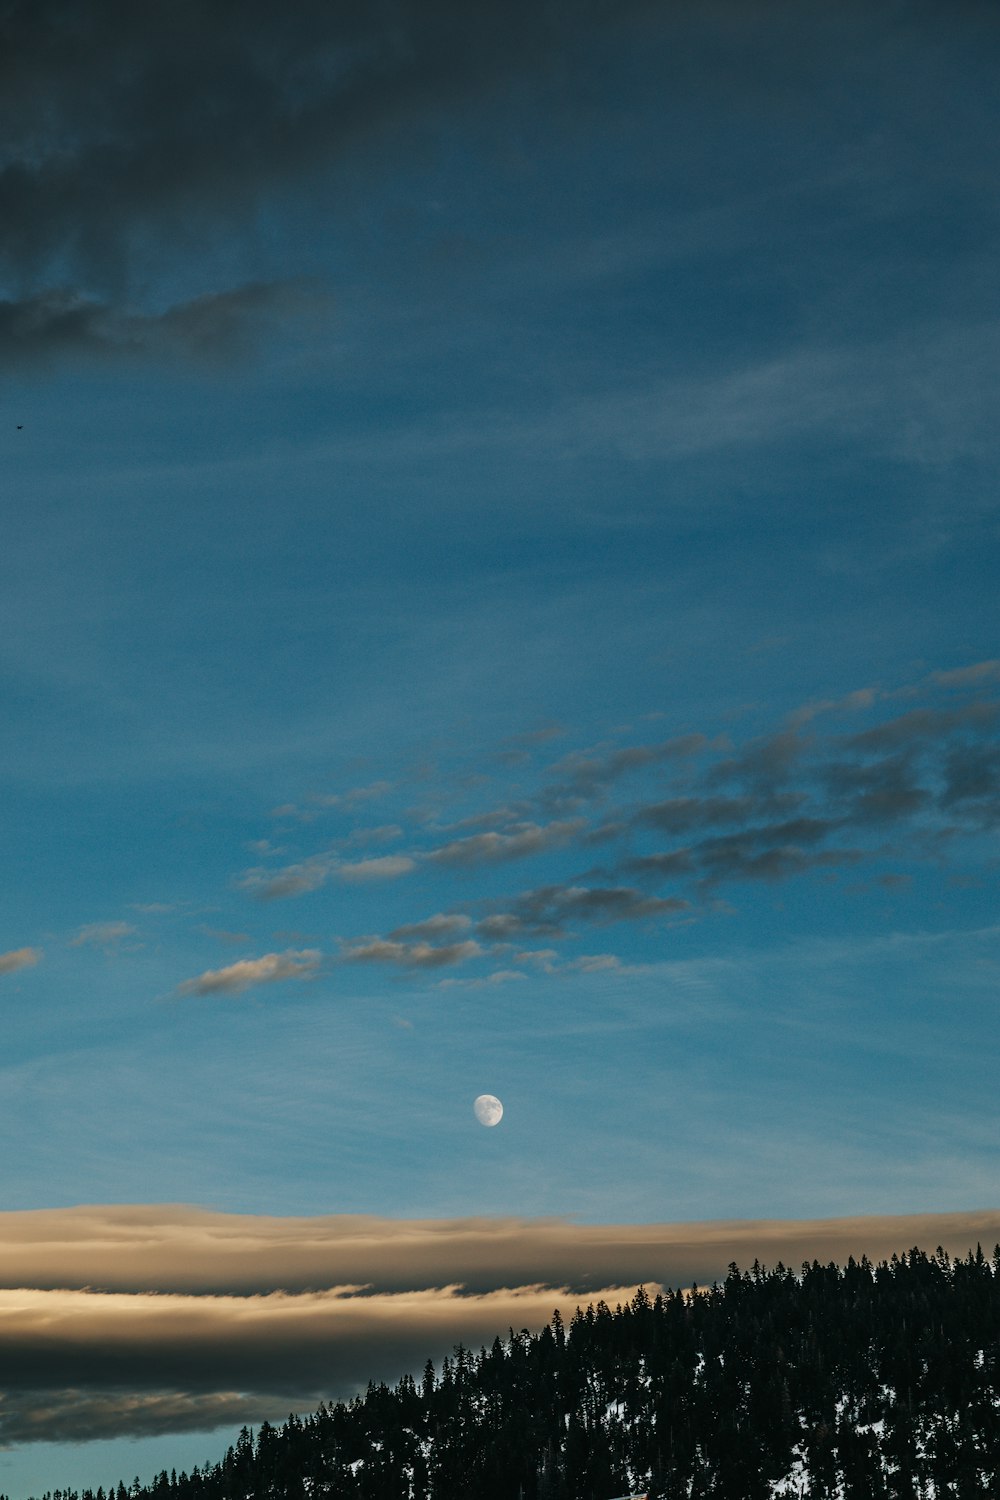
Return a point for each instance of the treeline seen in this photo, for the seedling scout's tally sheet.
(856, 1383)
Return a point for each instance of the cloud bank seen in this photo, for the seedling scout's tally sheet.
(157, 1318)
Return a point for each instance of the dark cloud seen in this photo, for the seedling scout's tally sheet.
(764, 763)
(769, 852)
(737, 859)
(673, 863)
(883, 792)
(81, 1416)
(585, 776)
(925, 726)
(682, 814)
(51, 325)
(125, 126)
(972, 774)
(551, 908)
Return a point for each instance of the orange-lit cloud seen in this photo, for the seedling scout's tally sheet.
(19, 958)
(269, 969)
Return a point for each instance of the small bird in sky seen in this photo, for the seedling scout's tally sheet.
(20, 426)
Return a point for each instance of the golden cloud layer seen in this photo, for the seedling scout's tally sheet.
(161, 1318)
(173, 1248)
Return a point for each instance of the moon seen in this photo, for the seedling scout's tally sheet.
(488, 1110)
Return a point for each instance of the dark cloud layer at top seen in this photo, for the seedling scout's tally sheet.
(117, 119)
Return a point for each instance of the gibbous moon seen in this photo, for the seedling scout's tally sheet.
(488, 1110)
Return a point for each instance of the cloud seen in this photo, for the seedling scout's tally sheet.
(972, 781)
(851, 703)
(979, 674)
(370, 793)
(418, 955)
(19, 958)
(125, 134)
(310, 874)
(383, 867)
(884, 792)
(485, 981)
(550, 908)
(673, 863)
(237, 977)
(737, 859)
(594, 963)
(496, 848)
(166, 1249)
(768, 852)
(925, 726)
(101, 934)
(138, 1319)
(276, 1340)
(292, 880)
(587, 775)
(445, 924)
(765, 762)
(783, 804)
(69, 1416)
(681, 814)
(54, 324)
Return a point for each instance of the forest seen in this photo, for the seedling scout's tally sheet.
(861, 1382)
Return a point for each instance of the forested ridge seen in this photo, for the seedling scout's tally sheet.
(859, 1382)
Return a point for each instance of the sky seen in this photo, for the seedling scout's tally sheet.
(497, 595)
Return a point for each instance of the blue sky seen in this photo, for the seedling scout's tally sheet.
(498, 593)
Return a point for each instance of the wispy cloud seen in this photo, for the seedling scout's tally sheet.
(495, 848)
(585, 775)
(102, 934)
(684, 816)
(269, 969)
(316, 871)
(409, 955)
(550, 909)
(382, 867)
(978, 674)
(292, 880)
(431, 929)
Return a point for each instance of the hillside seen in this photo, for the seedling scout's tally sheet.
(855, 1383)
